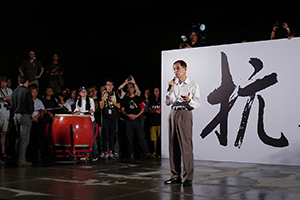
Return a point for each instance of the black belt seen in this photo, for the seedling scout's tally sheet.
(179, 108)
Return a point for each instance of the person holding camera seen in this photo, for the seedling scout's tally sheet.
(192, 42)
(133, 108)
(284, 32)
(110, 103)
(5, 106)
(130, 79)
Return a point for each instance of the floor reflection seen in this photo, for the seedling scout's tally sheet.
(144, 179)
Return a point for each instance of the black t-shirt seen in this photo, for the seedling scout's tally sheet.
(31, 69)
(281, 33)
(131, 105)
(97, 112)
(154, 117)
(50, 103)
(197, 44)
(52, 68)
(110, 110)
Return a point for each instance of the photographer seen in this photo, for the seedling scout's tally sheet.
(110, 103)
(5, 106)
(132, 109)
(284, 32)
(192, 42)
(55, 71)
(130, 79)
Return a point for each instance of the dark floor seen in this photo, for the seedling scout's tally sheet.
(144, 179)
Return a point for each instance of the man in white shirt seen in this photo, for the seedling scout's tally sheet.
(183, 97)
(5, 105)
(38, 104)
(37, 138)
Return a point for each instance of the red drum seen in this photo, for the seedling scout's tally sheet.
(82, 127)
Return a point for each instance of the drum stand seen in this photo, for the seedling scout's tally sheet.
(71, 150)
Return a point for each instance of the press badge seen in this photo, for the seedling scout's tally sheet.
(109, 111)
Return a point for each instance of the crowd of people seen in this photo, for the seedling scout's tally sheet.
(128, 121)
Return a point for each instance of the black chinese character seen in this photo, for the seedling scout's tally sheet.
(225, 96)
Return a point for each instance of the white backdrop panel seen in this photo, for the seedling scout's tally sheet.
(281, 113)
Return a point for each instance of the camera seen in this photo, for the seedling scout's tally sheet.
(129, 78)
(56, 69)
(276, 24)
(7, 104)
(110, 93)
(183, 43)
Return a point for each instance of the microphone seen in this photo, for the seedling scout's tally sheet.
(170, 86)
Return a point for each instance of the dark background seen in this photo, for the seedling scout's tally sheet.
(96, 40)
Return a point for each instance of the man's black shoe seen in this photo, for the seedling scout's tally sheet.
(187, 183)
(173, 181)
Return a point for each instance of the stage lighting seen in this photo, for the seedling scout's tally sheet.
(202, 27)
(198, 27)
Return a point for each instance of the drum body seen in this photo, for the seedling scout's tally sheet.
(82, 128)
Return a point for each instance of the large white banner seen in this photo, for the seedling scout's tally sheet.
(250, 101)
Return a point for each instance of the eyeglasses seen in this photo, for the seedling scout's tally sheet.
(177, 68)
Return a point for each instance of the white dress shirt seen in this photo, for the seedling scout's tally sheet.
(186, 87)
(38, 105)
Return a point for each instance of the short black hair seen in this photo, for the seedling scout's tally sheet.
(130, 83)
(108, 80)
(33, 87)
(194, 31)
(64, 95)
(3, 79)
(22, 78)
(49, 87)
(181, 62)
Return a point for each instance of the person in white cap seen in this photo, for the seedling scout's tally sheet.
(31, 67)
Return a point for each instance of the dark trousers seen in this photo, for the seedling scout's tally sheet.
(181, 143)
(94, 148)
(23, 126)
(109, 133)
(136, 126)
